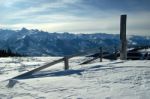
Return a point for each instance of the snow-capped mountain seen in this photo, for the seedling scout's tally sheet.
(35, 42)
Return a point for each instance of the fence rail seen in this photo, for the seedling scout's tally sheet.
(66, 67)
(123, 53)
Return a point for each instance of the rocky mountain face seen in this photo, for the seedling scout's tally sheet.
(37, 43)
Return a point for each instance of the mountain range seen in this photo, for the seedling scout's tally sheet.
(39, 43)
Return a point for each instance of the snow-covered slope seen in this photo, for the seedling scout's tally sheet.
(35, 42)
(106, 80)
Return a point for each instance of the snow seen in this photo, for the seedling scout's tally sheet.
(145, 50)
(106, 80)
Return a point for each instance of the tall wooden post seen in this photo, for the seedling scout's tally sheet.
(66, 63)
(123, 50)
(101, 54)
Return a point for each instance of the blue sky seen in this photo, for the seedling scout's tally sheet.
(77, 16)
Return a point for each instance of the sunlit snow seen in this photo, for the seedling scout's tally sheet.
(107, 80)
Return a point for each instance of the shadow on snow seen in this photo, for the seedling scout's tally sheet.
(78, 72)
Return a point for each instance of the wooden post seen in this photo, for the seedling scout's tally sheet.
(66, 63)
(101, 54)
(123, 50)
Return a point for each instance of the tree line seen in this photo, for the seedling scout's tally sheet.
(8, 53)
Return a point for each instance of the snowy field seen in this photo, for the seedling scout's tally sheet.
(106, 80)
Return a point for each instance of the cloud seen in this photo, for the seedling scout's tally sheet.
(75, 15)
(122, 5)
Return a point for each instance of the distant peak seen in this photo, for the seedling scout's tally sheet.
(24, 30)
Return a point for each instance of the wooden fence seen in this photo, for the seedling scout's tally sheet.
(65, 59)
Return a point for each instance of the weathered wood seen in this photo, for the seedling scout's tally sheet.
(88, 61)
(101, 54)
(24, 75)
(38, 69)
(123, 50)
(66, 63)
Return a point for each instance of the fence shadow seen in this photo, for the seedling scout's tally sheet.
(52, 74)
(110, 66)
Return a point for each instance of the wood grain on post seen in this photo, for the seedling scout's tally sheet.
(123, 50)
(66, 63)
(101, 54)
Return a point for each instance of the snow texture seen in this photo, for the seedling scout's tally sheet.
(106, 80)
